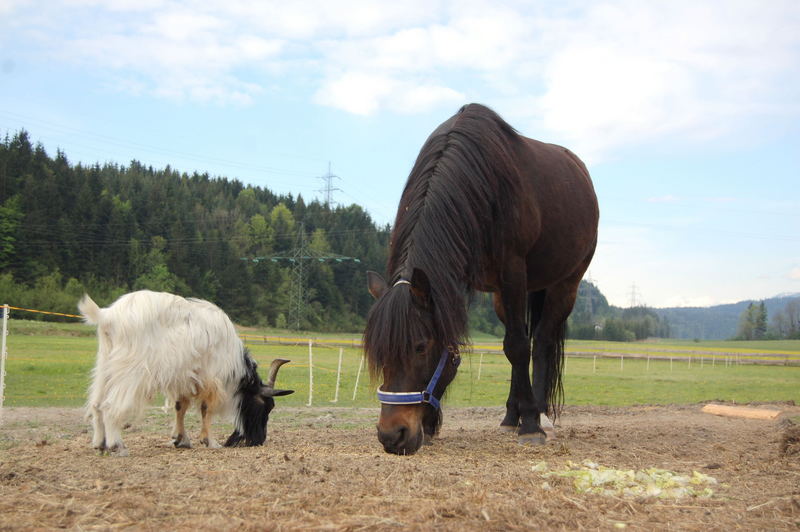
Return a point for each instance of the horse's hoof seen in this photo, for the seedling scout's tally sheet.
(534, 440)
(508, 428)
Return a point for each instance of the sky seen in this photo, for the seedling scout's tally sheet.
(685, 112)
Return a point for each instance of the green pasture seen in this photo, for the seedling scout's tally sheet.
(50, 366)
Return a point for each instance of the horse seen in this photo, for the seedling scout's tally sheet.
(484, 209)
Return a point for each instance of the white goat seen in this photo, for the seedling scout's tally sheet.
(187, 349)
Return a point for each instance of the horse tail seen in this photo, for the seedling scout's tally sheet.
(554, 364)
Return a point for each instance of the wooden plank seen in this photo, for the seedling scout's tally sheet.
(741, 411)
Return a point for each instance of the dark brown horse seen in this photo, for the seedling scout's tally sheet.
(483, 209)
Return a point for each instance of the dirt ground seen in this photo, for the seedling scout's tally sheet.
(323, 468)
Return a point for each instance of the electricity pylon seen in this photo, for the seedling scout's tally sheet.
(298, 258)
(329, 188)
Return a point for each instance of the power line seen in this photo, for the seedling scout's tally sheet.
(299, 258)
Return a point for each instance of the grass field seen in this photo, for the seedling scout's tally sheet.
(49, 365)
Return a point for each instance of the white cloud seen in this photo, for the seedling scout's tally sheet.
(364, 94)
(794, 274)
(596, 76)
(630, 72)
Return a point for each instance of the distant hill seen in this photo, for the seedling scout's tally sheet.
(719, 322)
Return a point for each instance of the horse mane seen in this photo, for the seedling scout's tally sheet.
(458, 195)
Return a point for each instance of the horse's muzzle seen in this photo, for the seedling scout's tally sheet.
(400, 439)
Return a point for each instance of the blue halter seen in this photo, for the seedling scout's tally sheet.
(425, 396)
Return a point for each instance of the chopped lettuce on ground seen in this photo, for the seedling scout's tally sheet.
(590, 477)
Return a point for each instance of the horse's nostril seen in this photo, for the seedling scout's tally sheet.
(402, 433)
(395, 438)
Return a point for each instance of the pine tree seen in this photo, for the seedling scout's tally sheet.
(760, 322)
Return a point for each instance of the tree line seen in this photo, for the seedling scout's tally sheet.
(592, 318)
(785, 324)
(109, 229)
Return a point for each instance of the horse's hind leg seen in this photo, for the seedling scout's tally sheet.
(548, 356)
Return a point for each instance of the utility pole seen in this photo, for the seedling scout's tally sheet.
(298, 258)
(635, 296)
(328, 188)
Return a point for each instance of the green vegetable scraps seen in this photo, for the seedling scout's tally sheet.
(590, 477)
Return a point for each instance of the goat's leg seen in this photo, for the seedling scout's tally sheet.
(205, 432)
(95, 400)
(125, 395)
(179, 437)
(113, 425)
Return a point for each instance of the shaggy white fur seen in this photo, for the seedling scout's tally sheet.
(187, 349)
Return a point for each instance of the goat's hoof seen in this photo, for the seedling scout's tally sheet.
(534, 439)
(182, 442)
(118, 450)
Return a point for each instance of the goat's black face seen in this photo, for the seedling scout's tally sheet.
(255, 403)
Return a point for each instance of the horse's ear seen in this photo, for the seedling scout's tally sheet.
(376, 284)
(421, 286)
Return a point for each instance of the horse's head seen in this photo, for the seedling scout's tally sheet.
(403, 347)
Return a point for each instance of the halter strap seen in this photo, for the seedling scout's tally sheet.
(425, 396)
(401, 281)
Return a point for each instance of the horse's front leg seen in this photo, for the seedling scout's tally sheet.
(510, 422)
(521, 414)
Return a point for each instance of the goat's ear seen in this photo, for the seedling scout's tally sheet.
(376, 284)
(270, 392)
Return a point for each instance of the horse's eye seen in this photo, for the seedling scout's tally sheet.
(420, 349)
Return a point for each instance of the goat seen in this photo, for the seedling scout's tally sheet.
(188, 350)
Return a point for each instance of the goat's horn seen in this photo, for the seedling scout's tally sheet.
(273, 371)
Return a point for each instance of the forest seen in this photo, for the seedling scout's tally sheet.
(66, 229)
(108, 229)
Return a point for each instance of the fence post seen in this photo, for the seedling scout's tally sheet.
(338, 377)
(358, 376)
(594, 364)
(480, 367)
(310, 374)
(3, 359)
